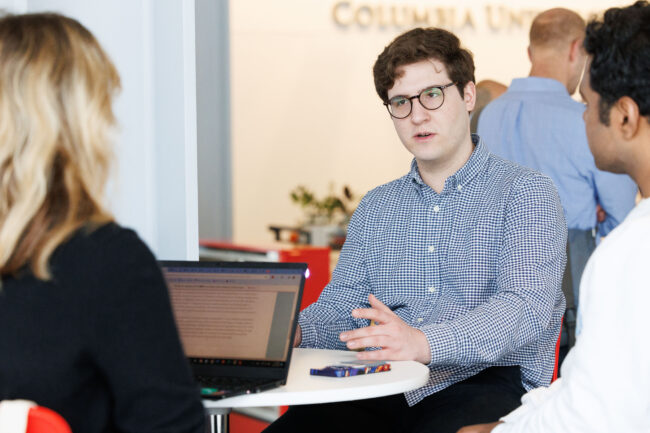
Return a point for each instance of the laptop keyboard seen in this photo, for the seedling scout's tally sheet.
(231, 382)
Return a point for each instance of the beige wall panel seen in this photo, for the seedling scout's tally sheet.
(304, 108)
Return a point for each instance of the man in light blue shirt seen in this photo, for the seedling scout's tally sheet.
(536, 123)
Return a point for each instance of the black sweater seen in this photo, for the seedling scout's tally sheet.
(98, 343)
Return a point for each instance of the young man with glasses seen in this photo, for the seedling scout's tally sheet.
(458, 263)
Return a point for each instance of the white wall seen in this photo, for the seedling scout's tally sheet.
(151, 42)
(174, 102)
(213, 119)
(304, 106)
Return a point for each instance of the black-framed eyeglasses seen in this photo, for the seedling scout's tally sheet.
(430, 98)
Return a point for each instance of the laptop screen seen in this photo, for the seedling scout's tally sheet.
(235, 313)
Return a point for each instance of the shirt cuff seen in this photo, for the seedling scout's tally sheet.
(508, 420)
(442, 344)
(529, 401)
(515, 414)
(308, 333)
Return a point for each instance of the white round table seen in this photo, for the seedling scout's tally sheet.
(303, 388)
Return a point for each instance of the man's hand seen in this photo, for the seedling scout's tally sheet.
(398, 341)
(479, 428)
(601, 215)
(298, 338)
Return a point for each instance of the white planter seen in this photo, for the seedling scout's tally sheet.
(320, 235)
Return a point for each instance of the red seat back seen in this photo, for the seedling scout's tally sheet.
(44, 420)
(557, 353)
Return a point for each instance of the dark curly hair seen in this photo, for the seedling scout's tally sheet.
(620, 50)
(422, 44)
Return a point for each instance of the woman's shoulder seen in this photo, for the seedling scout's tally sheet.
(104, 234)
(107, 249)
(105, 237)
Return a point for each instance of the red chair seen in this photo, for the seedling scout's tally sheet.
(43, 420)
(39, 419)
(557, 354)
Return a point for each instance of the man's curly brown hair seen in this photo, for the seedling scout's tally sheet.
(422, 44)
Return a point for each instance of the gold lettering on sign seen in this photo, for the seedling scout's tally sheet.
(492, 23)
(364, 15)
(522, 18)
(381, 18)
(447, 18)
(469, 20)
(340, 12)
(400, 16)
(420, 17)
(516, 18)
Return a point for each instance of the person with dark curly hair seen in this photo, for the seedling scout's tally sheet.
(458, 263)
(605, 380)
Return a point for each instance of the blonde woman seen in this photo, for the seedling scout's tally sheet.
(86, 326)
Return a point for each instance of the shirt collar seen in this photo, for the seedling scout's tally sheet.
(414, 174)
(464, 175)
(537, 84)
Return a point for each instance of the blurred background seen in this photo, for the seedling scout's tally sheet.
(229, 106)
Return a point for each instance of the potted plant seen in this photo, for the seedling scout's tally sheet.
(327, 217)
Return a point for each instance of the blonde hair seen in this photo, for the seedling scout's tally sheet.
(56, 92)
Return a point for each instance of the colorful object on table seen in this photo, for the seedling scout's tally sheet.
(350, 369)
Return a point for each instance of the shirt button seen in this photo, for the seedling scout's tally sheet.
(432, 289)
(420, 320)
(459, 187)
(431, 248)
(436, 208)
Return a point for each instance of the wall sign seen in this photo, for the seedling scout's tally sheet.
(347, 14)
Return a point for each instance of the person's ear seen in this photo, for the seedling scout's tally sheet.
(575, 51)
(469, 95)
(625, 117)
(530, 54)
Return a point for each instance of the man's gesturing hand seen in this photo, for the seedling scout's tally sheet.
(398, 341)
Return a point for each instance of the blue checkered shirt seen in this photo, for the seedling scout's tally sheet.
(477, 268)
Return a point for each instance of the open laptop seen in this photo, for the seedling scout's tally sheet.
(236, 321)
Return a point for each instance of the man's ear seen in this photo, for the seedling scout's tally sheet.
(469, 95)
(625, 116)
(574, 50)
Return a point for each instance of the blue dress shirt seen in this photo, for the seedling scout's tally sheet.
(537, 124)
(477, 268)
